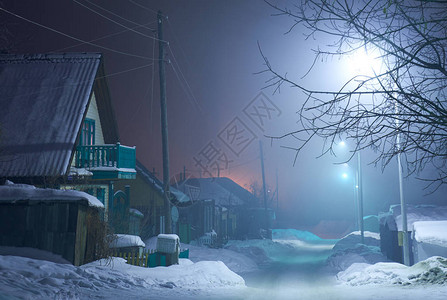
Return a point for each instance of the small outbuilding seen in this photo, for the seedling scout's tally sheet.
(63, 222)
(391, 234)
(429, 239)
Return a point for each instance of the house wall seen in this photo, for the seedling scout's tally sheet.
(93, 113)
(147, 200)
(93, 188)
(55, 226)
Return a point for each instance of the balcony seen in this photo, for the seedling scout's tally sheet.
(107, 162)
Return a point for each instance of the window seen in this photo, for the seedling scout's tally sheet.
(88, 133)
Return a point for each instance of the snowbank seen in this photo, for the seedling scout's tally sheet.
(430, 271)
(11, 192)
(293, 251)
(236, 262)
(349, 250)
(27, 278)
(294, 234)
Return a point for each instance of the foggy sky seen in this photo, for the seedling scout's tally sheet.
(215, 46)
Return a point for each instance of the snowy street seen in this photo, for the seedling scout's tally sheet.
(296, 268)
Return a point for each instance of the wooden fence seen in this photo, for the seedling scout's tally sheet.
(148, 258)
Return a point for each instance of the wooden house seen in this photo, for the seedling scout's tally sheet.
(148, 198)
(217, 205)
(58, 128)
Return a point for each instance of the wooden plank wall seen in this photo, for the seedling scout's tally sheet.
(46, 226)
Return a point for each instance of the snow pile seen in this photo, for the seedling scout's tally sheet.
(11, 192)
(349, 250)
(294, 234)
(265, 252)
(431, 232)
(260, 251)
(27, 278)
(126, 240)
(430, 271)
(236, 262)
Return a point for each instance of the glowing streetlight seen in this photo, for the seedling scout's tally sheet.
(366, 62)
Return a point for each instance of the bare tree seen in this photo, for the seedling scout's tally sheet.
(400, 108)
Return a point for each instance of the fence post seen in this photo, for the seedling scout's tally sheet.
(118, 154)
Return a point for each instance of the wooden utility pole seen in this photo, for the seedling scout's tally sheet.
(277, 191)
(164, 122)
(263, 186)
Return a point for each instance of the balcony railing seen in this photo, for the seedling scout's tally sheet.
(114, 156)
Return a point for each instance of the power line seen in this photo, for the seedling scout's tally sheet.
(117, 23)
(196, 103)
(72, 37)
(116, 15)
(144, 7)
(103, 37)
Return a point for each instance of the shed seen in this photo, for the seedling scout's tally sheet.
(429, 239)
(391, 227)
(58, 221)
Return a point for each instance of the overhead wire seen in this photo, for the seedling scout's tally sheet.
(143, 7)
(72, 37)
(117, 23)
(117, 15)
(188, 91)
(145, 95)
(102, 37)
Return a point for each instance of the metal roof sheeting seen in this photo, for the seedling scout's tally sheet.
(43, 99)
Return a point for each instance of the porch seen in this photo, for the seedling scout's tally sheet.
(107, 161)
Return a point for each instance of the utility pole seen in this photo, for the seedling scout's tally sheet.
(164, 122)
(277, 191)
(360, 197)
(263, 186)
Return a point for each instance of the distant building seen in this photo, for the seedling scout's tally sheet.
(220, 209)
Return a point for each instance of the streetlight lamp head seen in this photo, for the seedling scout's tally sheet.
(344, 175)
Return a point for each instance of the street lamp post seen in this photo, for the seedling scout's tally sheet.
(358, 183)
(359, 187)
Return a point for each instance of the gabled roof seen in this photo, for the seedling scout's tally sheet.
(44, 99)
(151, 179)
(224, 191)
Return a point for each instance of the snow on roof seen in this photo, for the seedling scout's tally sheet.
(11, 193)
(415, 213)
(126, 240)
(157, 184)
(222, 190)
(43, 98)
(168, 236)
(136, 212)
(181, 197)
(80, 172)
(431, 232)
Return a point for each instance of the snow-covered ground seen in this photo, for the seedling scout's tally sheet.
(26, 278)
(213, 273)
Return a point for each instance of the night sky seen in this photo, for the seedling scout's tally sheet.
(216, 112)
